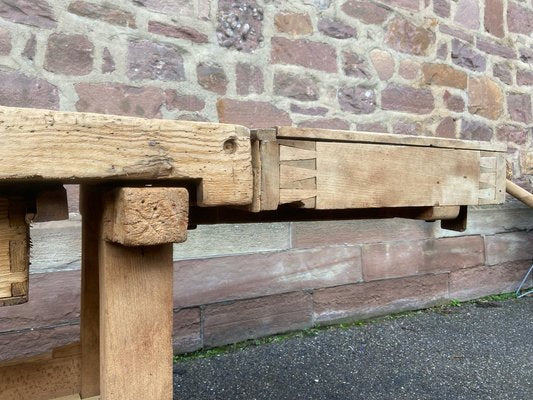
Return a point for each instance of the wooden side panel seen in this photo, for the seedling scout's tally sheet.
(362, 175)
(492, 178)
(14, 251)
(135, 322)
(270, 193)
(297, 173)
(79, 147)
(44, 377)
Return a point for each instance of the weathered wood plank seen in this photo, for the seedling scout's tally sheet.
(385, 138)
(80, 147)
(358, 175)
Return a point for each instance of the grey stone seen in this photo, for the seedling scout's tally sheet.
(358, 100)
(295, 87)
(155, 61)
(465, 56)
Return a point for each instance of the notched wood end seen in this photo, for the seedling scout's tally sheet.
(51, 204)
(146, 216)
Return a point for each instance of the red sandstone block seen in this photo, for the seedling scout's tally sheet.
(248, 79)
(183, 102)
(314, 55)
(253, 114)
(155, 61)
(247, 319)
(179, 32)
(407, 99)
(19, 90)
(54, 299)
(397, 259)
(323, 233)
(214, 280)
(187, 335)
(5, 41)
(326, 123)
(16, 344)
(212, 77)
(293, 24)
(364, 300)
(413, 5)
(519, 18)
(115, 98)
(298, 87)
(69, 54)
(524, 77)
(29, 12)
(511, 246)
(472, 283)
(104, 12)
(367, 12)
(487, 220)
(494, 17)
(404, 36)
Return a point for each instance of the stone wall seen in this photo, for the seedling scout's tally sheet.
(461, 69)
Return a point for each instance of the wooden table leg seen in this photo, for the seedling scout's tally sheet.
(91, 209)
(136, 291)
(136, 322)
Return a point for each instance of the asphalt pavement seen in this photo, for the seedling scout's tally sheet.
(475, 351)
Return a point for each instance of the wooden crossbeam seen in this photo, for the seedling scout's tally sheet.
(82, 147)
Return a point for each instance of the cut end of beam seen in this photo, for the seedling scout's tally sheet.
(146, 216)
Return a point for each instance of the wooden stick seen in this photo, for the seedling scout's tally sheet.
(521, 194)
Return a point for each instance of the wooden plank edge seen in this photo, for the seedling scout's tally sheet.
(333, 135)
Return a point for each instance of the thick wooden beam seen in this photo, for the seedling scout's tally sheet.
(51, 204)
(82, 147)
(135, 322)
(136, 291)
(146, 216)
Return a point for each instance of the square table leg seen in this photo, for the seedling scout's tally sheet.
(91, 210)
(126, 328)
(135, 322)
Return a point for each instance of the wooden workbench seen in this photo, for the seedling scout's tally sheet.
(145, 182)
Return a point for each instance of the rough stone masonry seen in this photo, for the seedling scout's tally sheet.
(449, 68)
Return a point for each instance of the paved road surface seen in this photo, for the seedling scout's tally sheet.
(472, 352)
